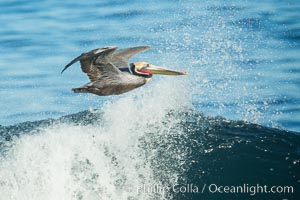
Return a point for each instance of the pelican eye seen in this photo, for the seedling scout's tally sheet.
(145, 66)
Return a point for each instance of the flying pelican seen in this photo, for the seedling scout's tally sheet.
(109, 74)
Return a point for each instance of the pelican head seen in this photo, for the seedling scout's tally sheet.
(146, 69)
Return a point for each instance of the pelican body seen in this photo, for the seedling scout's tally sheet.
(109, 73)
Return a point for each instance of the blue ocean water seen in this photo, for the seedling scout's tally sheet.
(233, 120)
(242, 57)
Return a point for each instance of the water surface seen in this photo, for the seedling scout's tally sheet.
(230, 121)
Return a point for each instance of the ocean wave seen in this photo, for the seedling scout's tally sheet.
(95, 154)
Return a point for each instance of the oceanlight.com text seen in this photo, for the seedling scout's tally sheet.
(216, 189)
(249, 189)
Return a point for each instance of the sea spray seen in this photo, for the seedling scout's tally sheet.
(105, 160)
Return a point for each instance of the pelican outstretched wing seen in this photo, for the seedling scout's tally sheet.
(96, 63)
(120, 58)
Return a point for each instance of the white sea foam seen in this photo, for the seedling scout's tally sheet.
(104, 161)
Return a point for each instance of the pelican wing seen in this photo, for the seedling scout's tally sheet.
(120, 58)
(96, 63)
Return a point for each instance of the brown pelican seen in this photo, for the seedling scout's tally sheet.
(109, 74)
